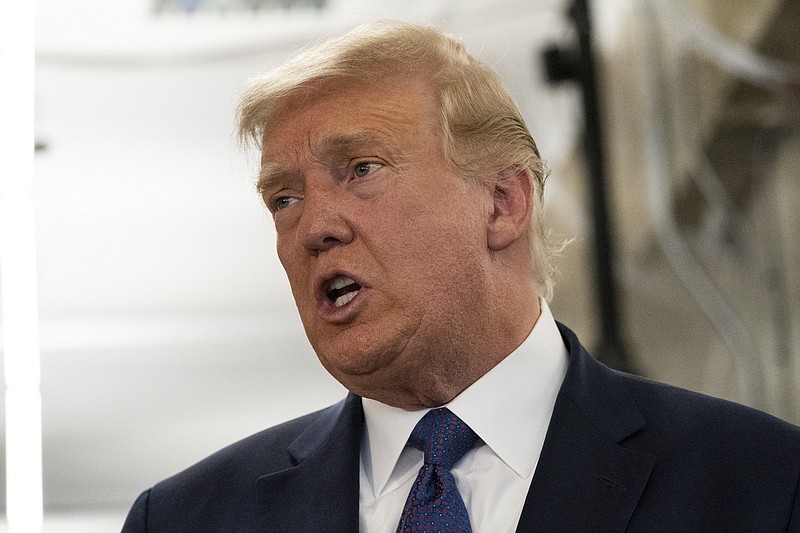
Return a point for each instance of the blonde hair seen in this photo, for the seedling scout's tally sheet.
(484, 134)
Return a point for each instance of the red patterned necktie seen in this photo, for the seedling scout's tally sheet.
(434, 503)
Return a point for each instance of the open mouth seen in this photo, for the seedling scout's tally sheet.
(341, 290)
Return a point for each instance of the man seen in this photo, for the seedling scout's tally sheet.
(407, 198)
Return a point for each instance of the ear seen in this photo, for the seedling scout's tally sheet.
(512, 205)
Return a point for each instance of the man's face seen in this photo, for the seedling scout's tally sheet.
(384, 244)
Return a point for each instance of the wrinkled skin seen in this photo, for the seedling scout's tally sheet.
(356, 179)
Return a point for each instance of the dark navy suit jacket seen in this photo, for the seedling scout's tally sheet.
(621, 454)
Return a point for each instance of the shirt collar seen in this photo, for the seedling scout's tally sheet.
(509, 407)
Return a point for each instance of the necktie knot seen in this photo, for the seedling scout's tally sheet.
(434, 503)
(443, 437)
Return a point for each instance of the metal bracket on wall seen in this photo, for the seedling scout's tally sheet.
(575, 62)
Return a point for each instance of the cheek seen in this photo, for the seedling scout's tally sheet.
(284, 257)
(292, 262)
(436, 259)
(434, 233)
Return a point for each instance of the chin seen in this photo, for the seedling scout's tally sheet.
(357, 365)
(341, 363)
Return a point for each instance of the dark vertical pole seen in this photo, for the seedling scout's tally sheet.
(579, 65)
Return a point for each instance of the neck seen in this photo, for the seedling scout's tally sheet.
(447, 375)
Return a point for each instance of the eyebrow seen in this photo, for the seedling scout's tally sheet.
(330, 149)
(269, 176)
(347, 144)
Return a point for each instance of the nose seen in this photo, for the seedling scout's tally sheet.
(323, 222)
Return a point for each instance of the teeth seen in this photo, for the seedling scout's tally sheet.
(345, 298)
(339, 282)
(337, 295)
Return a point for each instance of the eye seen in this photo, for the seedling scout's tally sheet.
(363, 168)
(281, 202)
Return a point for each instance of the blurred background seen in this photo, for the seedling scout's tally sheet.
(167, 327)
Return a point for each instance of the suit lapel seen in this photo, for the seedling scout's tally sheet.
(585, 480)
(320, 492)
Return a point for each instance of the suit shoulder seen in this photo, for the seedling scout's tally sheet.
(697, 417)
(263, 451)
(219, 493)
(738, 466)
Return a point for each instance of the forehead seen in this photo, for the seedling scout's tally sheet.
(337, 116)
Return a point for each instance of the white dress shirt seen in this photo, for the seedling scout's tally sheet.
(509, 408)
